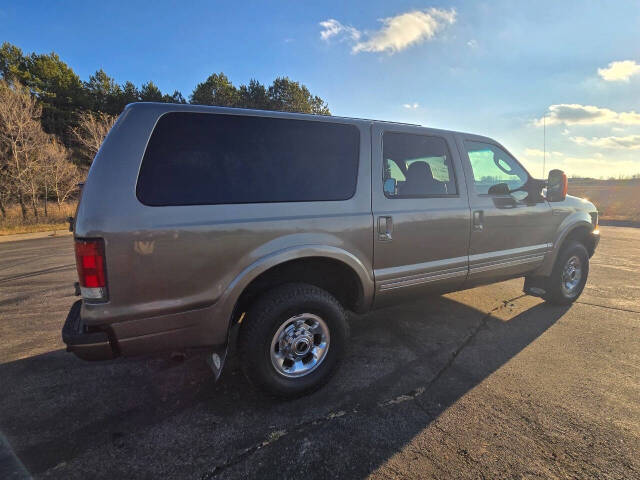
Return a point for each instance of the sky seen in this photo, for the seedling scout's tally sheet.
(501, 69)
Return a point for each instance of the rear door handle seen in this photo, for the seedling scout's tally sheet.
(478, 220)
(385, 228)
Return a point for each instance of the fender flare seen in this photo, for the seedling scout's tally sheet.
(568, 225)
(233, 291)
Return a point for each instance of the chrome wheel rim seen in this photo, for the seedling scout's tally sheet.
(571, 276)
(300, 345)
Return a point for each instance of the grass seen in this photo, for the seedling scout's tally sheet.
(614, 199)
(55, 221)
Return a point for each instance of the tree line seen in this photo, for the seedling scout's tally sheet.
(52, 122)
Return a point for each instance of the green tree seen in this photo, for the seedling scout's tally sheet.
(12, 63)
(175, 97)
(286, 95)
(52, 81)
(149, 92)
(130, 94)
(215, 90)
(254, 95)
(105, 95)
(59, 89)
(63, 95)
(283, 94)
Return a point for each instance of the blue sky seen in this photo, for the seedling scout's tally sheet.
(494, 68)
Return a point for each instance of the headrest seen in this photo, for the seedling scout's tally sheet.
(419, 169)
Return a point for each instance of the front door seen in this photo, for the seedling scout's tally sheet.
(511, 231)
(421, 213)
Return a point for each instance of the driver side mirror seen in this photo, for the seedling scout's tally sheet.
(557, 185)
(499, 189)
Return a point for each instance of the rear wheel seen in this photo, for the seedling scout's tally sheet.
(292, 339)
(569, 275)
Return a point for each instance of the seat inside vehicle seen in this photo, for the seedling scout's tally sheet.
(420, 181)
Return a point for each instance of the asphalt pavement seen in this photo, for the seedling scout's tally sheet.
(484, 383)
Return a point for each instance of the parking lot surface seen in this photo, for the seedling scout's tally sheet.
(484, 383)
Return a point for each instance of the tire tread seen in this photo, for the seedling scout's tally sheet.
(554, 293)
(260, 319)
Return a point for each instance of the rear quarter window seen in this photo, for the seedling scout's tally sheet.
(207, 159)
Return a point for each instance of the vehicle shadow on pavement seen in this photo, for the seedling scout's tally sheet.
(153, 416)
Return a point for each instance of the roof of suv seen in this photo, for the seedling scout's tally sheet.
(182, 107)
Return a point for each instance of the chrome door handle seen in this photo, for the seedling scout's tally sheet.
(478, 220)
(385, 228)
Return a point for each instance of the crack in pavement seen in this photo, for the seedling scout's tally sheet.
(471, 337)
(607, 307)
(273, 437)
(276, 435)
(59, 268)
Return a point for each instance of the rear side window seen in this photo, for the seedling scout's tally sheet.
(416, 166)
(207, 159)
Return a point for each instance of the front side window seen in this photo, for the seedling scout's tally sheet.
(208, 159)
(416, 166)
(494, 170)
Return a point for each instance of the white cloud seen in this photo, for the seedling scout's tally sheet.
(411, 106)
(596, 165)
(533, 159)
(619, 71)
(599, 166)
(629, 142)
(533, 152)
(536, 152)
(406, 29)
(333, 28)
(575, 114)
(396, 34)
(472, 44)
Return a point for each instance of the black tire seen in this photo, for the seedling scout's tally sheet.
(263, 320)
(555, 293)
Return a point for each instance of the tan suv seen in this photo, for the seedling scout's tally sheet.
(195, 220)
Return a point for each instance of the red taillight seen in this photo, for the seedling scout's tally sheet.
(91, 268)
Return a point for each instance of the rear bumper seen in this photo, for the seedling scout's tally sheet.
(148, 335)
(88, 345)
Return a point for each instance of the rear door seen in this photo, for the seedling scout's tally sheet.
(510, 233)
(421, 212)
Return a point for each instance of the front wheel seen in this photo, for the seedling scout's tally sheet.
(292, 339)
(569, 275)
